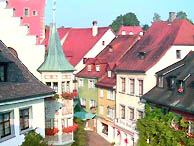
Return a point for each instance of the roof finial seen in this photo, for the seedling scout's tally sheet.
(54, 11)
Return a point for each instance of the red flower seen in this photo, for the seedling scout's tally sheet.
(180, 90)
(126, 140)
(92, 107)
(75, 93)
(190, 134)
(67, 95)
(84, 106)
(50, 131)
(70, 128)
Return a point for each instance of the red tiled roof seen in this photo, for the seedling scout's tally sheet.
(128, 29)
(107, 82)
(120, 46)
(93, 74)
(155, 43)
(78, 41)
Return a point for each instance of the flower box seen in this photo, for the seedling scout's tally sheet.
(180, 90)
(67, 95)
(84, 106)
(70, 128)
(93, 107)
(51, 131)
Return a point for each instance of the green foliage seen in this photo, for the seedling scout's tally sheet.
(128, 19)
(145, 27)
(183, 15)
(156, 127)
(79, 135)
(156, 17)
(33, 139)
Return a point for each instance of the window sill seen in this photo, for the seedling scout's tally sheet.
(7, 138)
(24, 131)
(110, 99)
(122, 92)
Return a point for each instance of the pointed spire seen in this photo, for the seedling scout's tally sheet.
(56, 60)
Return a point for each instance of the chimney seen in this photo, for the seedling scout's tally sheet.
(94, 29)
(172, 17)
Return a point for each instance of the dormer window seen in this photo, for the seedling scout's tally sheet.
(89, 67)
(160, 82)
(109, 74)
(3, 74)
(141, 55)
(171, 82)
(130, 33)
(123, 32)
(110, 49)
(97, 67)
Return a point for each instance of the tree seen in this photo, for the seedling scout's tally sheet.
(156, 17)
(183, 15)
(80, 134)
(33, 139)
(128, 19)
(156, 129)
(145, 27)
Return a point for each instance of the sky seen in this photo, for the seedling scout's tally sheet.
(81, 13)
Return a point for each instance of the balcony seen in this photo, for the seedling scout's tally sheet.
(129, 125)
(65, 139)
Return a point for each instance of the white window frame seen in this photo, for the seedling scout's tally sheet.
(83, 101)
(123, 32)
(81, 83)
(110, 113)
(111, 95)
(101, 92)
(160, 81)
(109, 74)
(98, 68)
(122, 106)
(26, 12)
(101, 110)
(129, 113)
(30, 119)
(93, 103)
(138, 111)
(91, 83)
(123, 86)
(11, 126)
(89, 67)
(130, 81)
(139, 87)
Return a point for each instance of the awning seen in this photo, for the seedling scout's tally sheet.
(84, 115)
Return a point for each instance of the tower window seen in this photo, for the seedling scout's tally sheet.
(26, 12)
(34, 13)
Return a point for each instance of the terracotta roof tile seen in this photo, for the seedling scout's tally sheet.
(20, 84)
(155, 43)
(108, 59)
(134, 29)
(77, 40)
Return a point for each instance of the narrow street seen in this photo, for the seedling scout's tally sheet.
(93, 139)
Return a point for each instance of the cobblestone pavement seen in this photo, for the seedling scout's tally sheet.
(93, 139)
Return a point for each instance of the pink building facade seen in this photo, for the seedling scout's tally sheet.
(32, 15)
